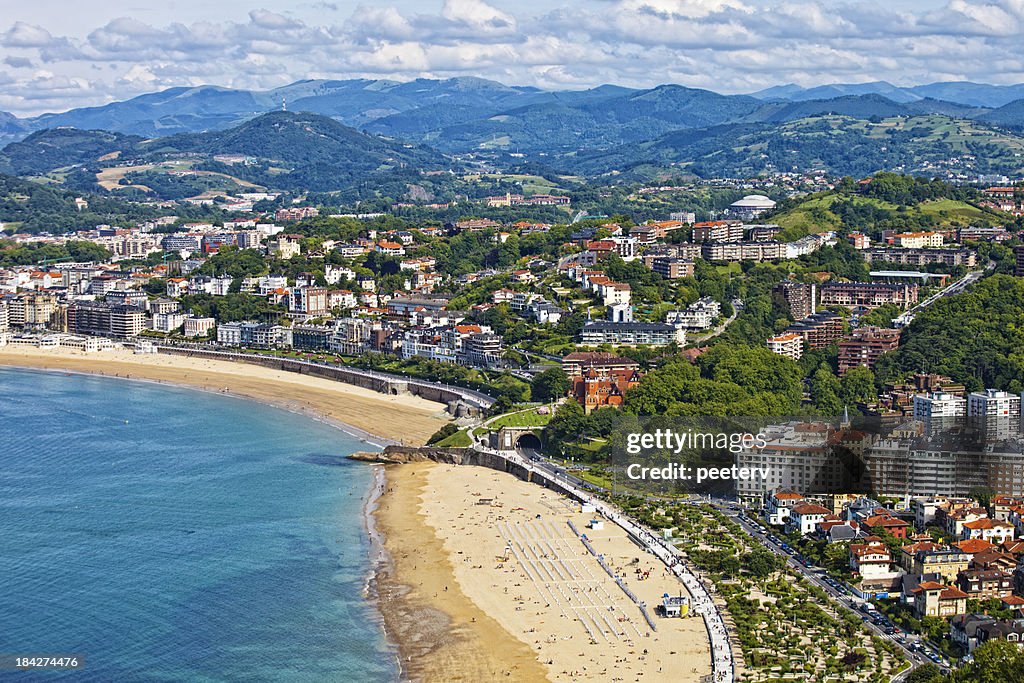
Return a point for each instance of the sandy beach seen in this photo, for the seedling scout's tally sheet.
(464, 603)
(406, 419)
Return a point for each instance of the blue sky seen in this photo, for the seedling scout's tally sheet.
(55, 54)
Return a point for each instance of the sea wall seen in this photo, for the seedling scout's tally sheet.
(459, 402)
(397, 455)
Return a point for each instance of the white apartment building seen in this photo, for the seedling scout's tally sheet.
(788, 344)
(168, 322)
(996, 413)
(939, 409)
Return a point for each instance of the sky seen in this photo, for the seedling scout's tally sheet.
(61, 54)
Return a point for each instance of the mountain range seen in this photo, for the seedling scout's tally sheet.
(338, 133)
(468, 114)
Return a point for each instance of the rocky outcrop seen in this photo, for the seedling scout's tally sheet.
(394, 455)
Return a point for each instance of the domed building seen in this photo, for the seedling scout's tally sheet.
(751, 206)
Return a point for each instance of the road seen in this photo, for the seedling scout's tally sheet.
(737, 308)
(955, 288)
(839, 594)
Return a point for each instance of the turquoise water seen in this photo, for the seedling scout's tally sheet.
(173, 535)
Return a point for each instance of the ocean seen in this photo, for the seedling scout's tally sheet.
(167, 534)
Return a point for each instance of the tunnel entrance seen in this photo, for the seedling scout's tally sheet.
(528, 443)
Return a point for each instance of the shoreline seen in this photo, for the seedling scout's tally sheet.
(373, 418)
(440, 634)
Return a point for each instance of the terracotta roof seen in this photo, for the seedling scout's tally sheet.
(930, 586)
(884, 521)
(809, 509)
(974, 545)
(987, 524)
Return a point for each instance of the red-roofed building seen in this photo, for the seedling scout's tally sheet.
(991, 530)
(895, 527)
(805, 518)
(600, 388)
(933, 599)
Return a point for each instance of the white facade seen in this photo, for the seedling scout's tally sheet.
(168, 322)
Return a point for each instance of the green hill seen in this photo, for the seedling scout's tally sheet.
(818, 215)
(48, 150)
(293, 151)
(842, 145)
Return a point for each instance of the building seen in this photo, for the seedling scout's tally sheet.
(198, 327)
(944, 562)
(671, 268)
(917, 240)
(798, 297)
(865, 346)
(104, 319)
(858, 240)
(248, 333)
(995, 414)
(933, 599)
(805, 518)
(871, 560)
(597, 388)
(309, 301)
(991, 530)
(1018, 254)
(788, 344)
(982, 584)
(921, 257)
(576, 362)
(939, 410)
(700, 315)
(168, 322)
(751, 206)
(718, 231)
(779, 504)
(482, 349)
(797, 456)
(631, 334)
(285, 246)
(743, 251)
(819, 330)
(867, 294)
(311, 337)
(886, 523)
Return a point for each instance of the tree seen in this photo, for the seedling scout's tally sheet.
(442, 433)
(858, 386)
(995, 661)
(550, 385)
(926, 673)
(825, 392)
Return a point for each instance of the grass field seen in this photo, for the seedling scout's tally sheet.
(459, 439)
(526, 418)
(815, 215)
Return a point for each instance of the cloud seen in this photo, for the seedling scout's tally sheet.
(26, 35)
(725, 45)
(19, 62)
